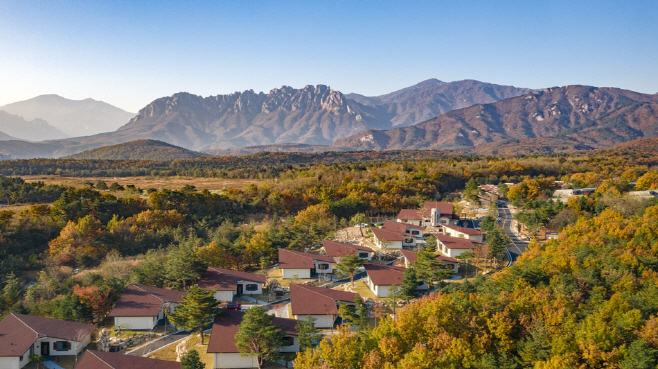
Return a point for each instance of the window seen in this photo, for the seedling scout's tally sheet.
(415, 232)
(323, 266)
(408, 240)
(20, 358)
(363, 255)
(62, 346)
(287, 341)
(251, 287)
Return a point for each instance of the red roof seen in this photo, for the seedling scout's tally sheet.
(225, 328)
(412, 257)
(383, 234)
(337, 249)
(309, 300)
(18, 332)
(464, 230)
(107, 360)
(289, 259)
(227, 280)
(445, 208)
(138, 300)
(409, 214)
(400, 227)
(456, 242)
(384, 275)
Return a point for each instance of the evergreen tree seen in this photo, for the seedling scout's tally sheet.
(307, 334)
(346, 312)
(258, 336)
(191, 360)
(409, 284)
(393, 296)
(497, 241)
(349, 265)
(184, 264)
(100, 185)
(360, 313)
(196, 309)
(359, 219)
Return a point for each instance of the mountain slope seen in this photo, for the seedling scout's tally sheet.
(6, 137)
(34, 130)
(73, 117)
(138, 150)
(596, 117)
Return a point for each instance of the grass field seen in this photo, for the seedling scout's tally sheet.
(146, 182)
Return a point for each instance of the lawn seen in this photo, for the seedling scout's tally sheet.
(362, 289)
(145, 182)
(275, 273)
(169, 352)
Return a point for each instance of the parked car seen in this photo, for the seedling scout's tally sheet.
(233, 306)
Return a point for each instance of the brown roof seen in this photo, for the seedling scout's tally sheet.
(227, 280)
(445, 208)
(18, 332)
(343, 249)
(383, 234)
(409, 214)
(456, 242)
(308, 300)
(400, 227)
(384, 275)
(138, 300)
(289, 259)
(464, 230)
(107, 360)
(225, 327)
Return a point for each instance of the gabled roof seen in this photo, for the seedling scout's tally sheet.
(309, 300)
(383, 234)
(412, 257)
(18, 332)
(390, 225)
(445, 208)
(227, 280)
(456, 242)
(337, 249)
(138, 300)
(107, 360)
(225, 328)
(384, 275)
(412, 214)
(464, 230)
(289, 259)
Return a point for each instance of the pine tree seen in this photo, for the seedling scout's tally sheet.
(409, 283)
(346, 312)
(196, 309)
(191, 360)
(258, 336)
(184, 265)
(307, 334)
(359, 219)
(349, 265)
(360, 313)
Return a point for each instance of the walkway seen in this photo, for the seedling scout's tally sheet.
(157, 344)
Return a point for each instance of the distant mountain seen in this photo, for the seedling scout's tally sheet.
(594, 117)
(138, 150)
(398, 95)
(643, 144)
(34, 130)
(73, 117)
(291, 147)
(5, 137)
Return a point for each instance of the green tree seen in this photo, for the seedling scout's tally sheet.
(498, 241)
(360, 313)
(258, 336)
(348, 265)
(196, 310)
(307, 334)
(12, 290)
(640, 356)
(191, 360)
(116, 187)
(184, 264)
(410, 282)
(38, 360)
(488, 223)
(394, 294)
(346, 312)
(101, 185)
(471, 191)
(359, 219)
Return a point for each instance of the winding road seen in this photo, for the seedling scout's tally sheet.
(517, 246)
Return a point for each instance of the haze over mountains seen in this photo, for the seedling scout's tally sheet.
(34, 130)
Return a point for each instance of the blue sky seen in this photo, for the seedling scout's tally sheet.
(130, 53)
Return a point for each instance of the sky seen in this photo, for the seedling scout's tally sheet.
(129, 53)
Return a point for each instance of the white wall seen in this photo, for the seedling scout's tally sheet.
(392, 245)
(258, 291)
(323, 271)
(12, 362)
(293, 348)
(300, 273)
(136, 322)
(234, 360)
(76, 347)
(224, 296)
(321, 321)
(453, 253)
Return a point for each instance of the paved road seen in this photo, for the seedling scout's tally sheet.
(518, 245)
(150, 347)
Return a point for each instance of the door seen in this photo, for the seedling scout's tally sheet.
(45, 348)
(240, 289)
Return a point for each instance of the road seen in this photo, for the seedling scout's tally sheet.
(154, 345)
(518, 246)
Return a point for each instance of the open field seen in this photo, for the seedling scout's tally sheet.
(145, 182)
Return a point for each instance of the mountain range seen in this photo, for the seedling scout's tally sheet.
(33, 130)
(138, 150)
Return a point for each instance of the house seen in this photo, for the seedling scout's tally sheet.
(432, 214)
(462, 232)
(406, 228)
(142, 307)
(107, 360)
(25, 335)
(381, 277)
(222, 340)
(565, 194)
(410, 258)
(339, 250)
(455, 246)
(319, 303)
(302, 264)
(229, 283)
(389, 240)
(649, 194)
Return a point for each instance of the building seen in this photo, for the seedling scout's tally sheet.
(4, 157)
(339, 250)
(455, 246)
(142, 307)
(565, 194)
(390, 240)
(222, 340)
(229, 283)
(404, 228)
(410, 258)
(320, 303)
(107, 360)
(649, 194)
(296, 264)
(25, 335)
(381, 277)
(432, 214)
(462, 232)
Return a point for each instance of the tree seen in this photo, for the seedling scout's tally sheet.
(258, 336)
(497, 240)
(184, 264)
(116, 187)
(360, 313)
(191, 360)
(96, 299)
(307, 334)
(409, 284)
(12, 290)
(465, 257)
(37, 359)
(100, 185)
(346, 312)
(488, 223)
(359, 219)
(349, 265)
(640, 356)
(393, 296)
(196, 309)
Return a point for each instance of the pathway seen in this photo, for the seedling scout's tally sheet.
(157, 344)
(518, 246)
